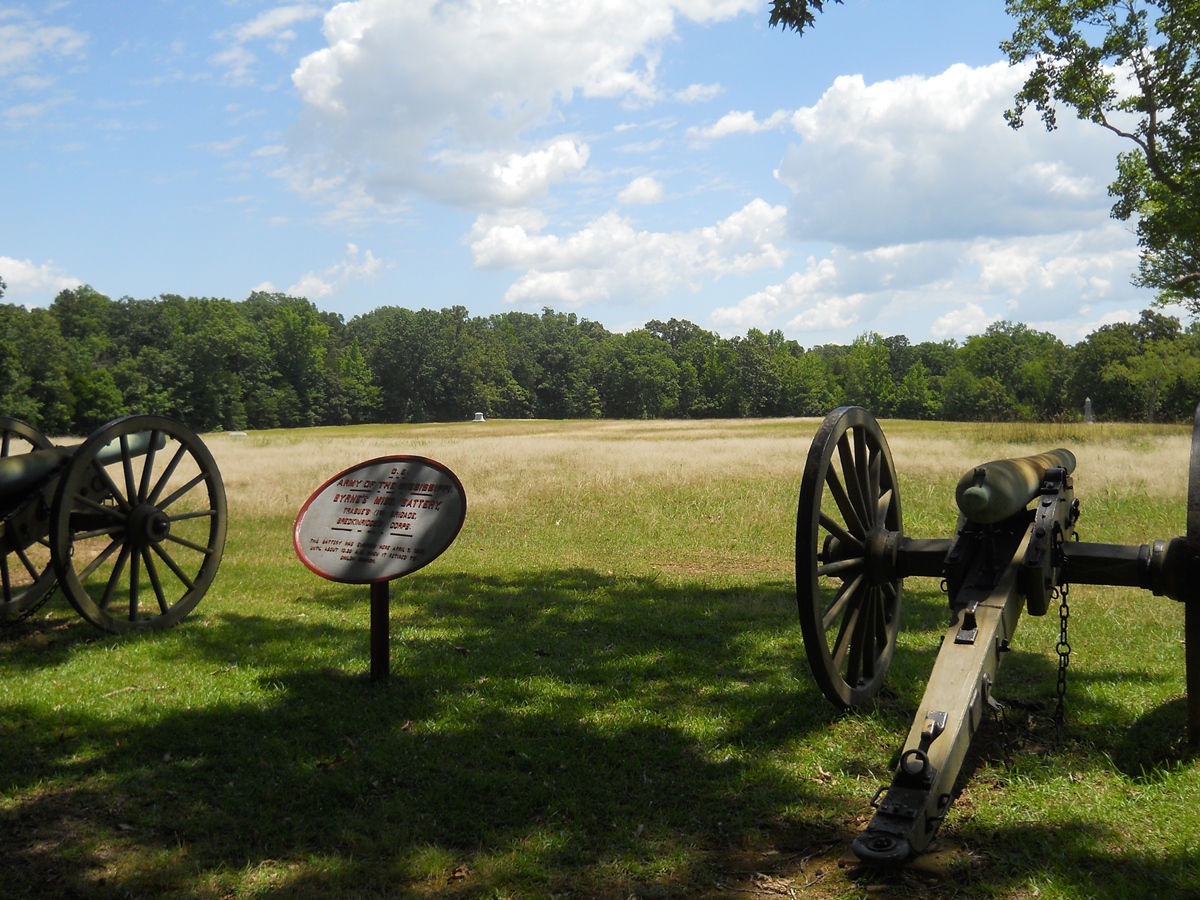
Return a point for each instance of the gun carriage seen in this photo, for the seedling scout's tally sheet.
(130, 524)
(1013, 550)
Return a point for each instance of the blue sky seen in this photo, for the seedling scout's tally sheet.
(627, 160)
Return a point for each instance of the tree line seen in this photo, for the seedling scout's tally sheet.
(275, 361)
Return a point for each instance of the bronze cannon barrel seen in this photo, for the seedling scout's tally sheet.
(999, 489)
(22, 473)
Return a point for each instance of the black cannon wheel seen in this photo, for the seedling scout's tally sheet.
(137, 536)
(25, 571)
(847, 525)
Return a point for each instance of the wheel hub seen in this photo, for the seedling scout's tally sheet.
(882, 549)
(148, 524)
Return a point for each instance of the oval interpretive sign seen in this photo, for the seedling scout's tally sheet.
(380, 519)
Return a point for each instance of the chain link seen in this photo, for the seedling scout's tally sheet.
(1064, 658)
(27, 613)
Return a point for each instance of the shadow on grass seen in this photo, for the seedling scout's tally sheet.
(1031, 859)
(563, 731)
(541, 730)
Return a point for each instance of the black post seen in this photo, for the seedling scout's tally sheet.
(380, 650)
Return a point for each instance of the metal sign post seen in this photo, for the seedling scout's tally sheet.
(377, 521)
(381, 650)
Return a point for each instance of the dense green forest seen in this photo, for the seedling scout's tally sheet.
(277, 361)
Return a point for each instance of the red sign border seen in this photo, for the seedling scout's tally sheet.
(362, 465)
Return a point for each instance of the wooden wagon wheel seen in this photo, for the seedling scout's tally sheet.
(848, 530)
(138, 524)
(25, 571)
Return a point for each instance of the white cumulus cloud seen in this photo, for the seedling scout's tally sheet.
(353, 267)
(928, 158)
(938, 218)
(947, 286)
(438, 98)
(957, 323)
(738, 123)
(641, 191)
(32, 282)
(610, 260)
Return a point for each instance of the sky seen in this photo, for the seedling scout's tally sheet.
(625, 160)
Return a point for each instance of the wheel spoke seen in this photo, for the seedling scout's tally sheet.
(862, 470)
(881, 624)
(135, 584)
(876, 478)
(846, 631)
(854, 664)
(80, 500)
(183, 490)
(166, 475)
(199, 548)
(111, 485)
(127, 466)
(100, 560)
(148, 466)
(883, 506)
(5, 580)
(96, 532)
(840, 497)
(154, 580)
(5, 444)
(839, 567)
(868, 628)
(199, 514)
(33, 570)
(115, 578)
(839, 532)
(172, 565)
(853, 485)
(840, 600)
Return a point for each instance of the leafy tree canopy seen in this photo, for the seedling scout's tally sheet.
(796, 14)
(1131, 66)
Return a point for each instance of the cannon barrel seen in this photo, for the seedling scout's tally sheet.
(994, 491)
(22, 473)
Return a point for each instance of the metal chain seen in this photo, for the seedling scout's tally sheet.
(25, 614)
(1000, 714)
(1064, 658)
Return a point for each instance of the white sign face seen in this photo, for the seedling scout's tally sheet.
(380, 519)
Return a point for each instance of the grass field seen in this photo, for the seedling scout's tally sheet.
(600, 690)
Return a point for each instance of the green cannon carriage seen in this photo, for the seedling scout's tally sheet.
(1013, 550)
(130, 524)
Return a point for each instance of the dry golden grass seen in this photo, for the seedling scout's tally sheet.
(504, 463)
(687, 499)
(1151, 464)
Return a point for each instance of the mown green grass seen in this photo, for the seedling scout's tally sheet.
(599, 690)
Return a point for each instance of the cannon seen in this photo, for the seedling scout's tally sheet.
(130, 524)
(1014, 549)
